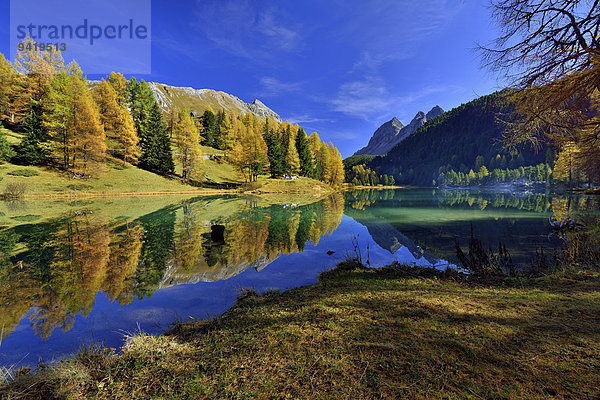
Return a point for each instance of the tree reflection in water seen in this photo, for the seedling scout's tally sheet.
(52, 271)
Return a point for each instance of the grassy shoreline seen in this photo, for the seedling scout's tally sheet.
(349, 187)
(48, 183)
(395, 332)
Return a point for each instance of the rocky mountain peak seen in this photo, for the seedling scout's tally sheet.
(393, 132)
(434, 112)
(258, 108)
(395, 121)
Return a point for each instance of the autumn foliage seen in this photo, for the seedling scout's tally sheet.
(82, 127)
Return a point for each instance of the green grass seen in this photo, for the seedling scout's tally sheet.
(219, 172)
(302, 184)
(111, 180)
(216, 170)
(389, 333)
(11, 137)
(116, 178)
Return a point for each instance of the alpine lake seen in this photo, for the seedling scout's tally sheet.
(74, 273)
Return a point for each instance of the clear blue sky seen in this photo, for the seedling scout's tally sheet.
(338, 67)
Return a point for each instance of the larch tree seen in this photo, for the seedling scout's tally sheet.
(89, 145)
(119, 84)
(172, 118)
(314, 145)
(550, 53)
(260, 158)
(337, 166)
(324, 160)
(568, 163)
(106, 98)
(59, 116)
(128, 139)
(291, 159)
(73, 121)
(117, 121)
(39, 68)
(225, 139)
(187, 138)
(27, 92)
(246, 154)
(9, 79)
(27, 82)
(237, 155)
(254, 146)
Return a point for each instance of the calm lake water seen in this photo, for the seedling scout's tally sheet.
(98, 270)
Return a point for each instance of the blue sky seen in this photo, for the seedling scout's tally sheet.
(338, 67)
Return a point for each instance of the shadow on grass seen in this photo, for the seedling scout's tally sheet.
(365, 333)
(438, 335)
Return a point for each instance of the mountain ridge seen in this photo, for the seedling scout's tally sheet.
(392, 132)
(199, 100)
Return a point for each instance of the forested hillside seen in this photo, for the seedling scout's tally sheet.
(462, 140)
(82, 129)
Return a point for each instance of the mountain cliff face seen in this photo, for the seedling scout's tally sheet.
(393, 132)
(382, 139)
(199, 100)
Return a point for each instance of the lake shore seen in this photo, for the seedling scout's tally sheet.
(34, 183)
(378, 187)
(360, 333)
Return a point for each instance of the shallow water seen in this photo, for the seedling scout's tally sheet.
(96, 272)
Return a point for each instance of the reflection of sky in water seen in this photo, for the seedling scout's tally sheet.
(391, 229)
(108, 322)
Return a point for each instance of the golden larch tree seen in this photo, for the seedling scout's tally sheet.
(119, 84)
(324, 161)
(292, 159)
(337, 166)
(187, 139)
(117, 122)
(89, 144)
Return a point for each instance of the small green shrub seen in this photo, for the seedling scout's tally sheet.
(23, 172)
